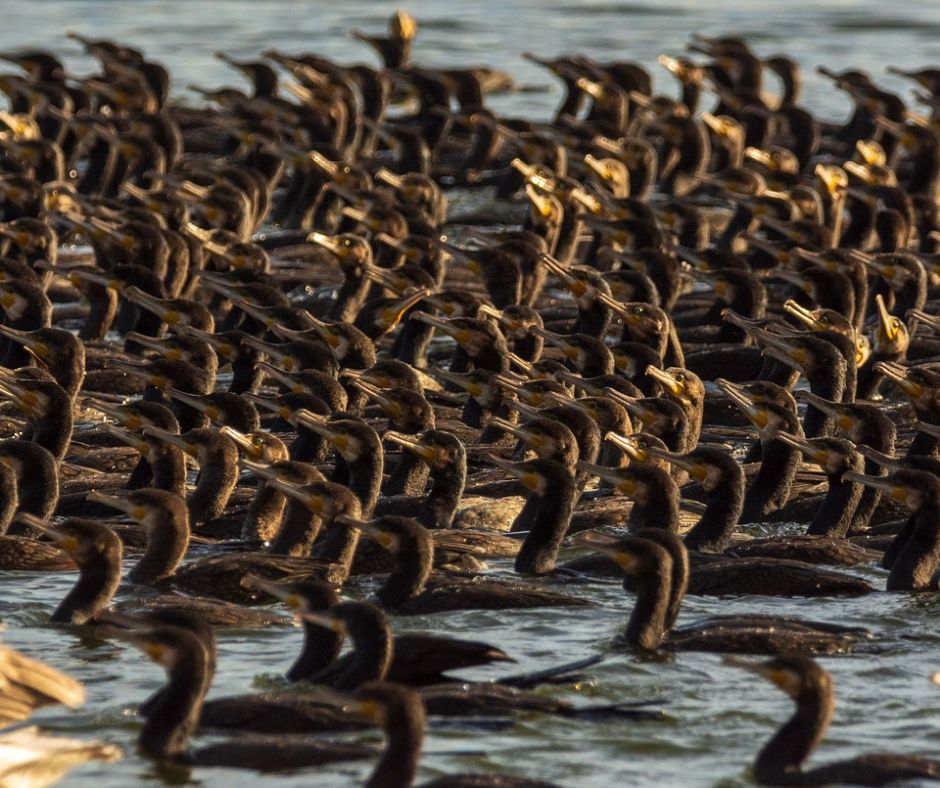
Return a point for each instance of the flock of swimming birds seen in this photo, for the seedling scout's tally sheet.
(250, 354)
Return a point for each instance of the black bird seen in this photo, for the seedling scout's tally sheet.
(781, 760)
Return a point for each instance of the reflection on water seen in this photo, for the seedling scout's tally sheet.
(716, 717)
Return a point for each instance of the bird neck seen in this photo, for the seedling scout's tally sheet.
(493, 356)
(446, 491)
(168, 466)
(837, 510)
(828, 382)
(371, 658)
(167, 543)
(54, 430)
(691, 92)
(870, 497)
(264, 513)
(781, 759)
(298, 530)
(771, 487)
(38, 490)
(410, 575)
(97, 583)
(175, 715)
(218, 475)
(404, 735)
(308, 446)
(365, 479)
(925, 167)
(409, 477)
(339, 544)
(712, 532)
(246, 377)
(351, 295)
(546, 518)
(646, 628)
(660, 508)
(917, 561)
(321, 647)
(679, 583)
(102, 309)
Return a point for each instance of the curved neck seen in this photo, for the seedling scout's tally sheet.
(408, 578)
(646, 628)
(54, 431)
(410, 476)
(371, 658)
(103, 307)
(440, 504)
(546, 518)
(898, 544)
(264, 513)
(97, 583)
(678, 586)
(365, 479)
(245, 378)
(691, 92)
(350, 297)
(828, 382)
(168, 466)
(338, 546)
(771, 487)
(917, 561)
(321, 647)
(660, 509)
(870, 497)
(167, 543)
(298, 531)
(217, 480)
(835, 513)
(926, 166)
(712, 532)
(175, 715)
(781, 759)
(816, 423)
(38, 491)
(399, 762)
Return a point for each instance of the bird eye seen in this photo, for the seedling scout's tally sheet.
(680, 378)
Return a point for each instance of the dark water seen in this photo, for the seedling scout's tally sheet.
(716, 717)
